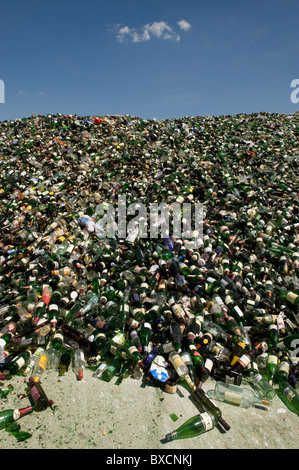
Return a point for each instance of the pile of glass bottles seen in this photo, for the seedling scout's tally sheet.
(76, 294)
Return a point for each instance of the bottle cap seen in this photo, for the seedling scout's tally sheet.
(80, 374)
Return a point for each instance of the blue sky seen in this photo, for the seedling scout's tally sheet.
(159, 59)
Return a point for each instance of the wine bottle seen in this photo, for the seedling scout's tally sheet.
(8, 417)
(205, 403)
(193, 427)
(37, 395)
(236, 395)
(289, 396)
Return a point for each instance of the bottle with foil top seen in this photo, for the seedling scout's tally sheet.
(193, 427)
(289, 395)
(236, 395)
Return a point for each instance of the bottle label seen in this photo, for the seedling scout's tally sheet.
(16, 415)
(238, 311)
(207, 421)
(284, 367)
(100, 335)
(119, 338)
(244, 360)
(58, 336)
(272, 359)
(257, 378)
(133, 349)
(53, 307)
(35, 393)
(20, 362)
(168, 347)
(209, 364)
(193, 268)
(177, 361)
(232, 397)
(43, 361)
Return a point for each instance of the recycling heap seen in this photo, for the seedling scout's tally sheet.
(145, 307)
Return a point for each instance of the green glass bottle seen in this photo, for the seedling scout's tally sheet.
(193, 427)
(236, 395)
(259, 384)
(289, 396)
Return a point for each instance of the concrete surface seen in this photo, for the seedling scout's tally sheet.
(93, 414)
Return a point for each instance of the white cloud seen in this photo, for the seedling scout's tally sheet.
(40, 93)
(158, 29)
(184, 25)
(21, 92)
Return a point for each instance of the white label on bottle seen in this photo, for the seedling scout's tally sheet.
(100, 335)
(207, 421)
(101, 368)
(2, 343)
(147, 325)
(155, 308)
(232, 397)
